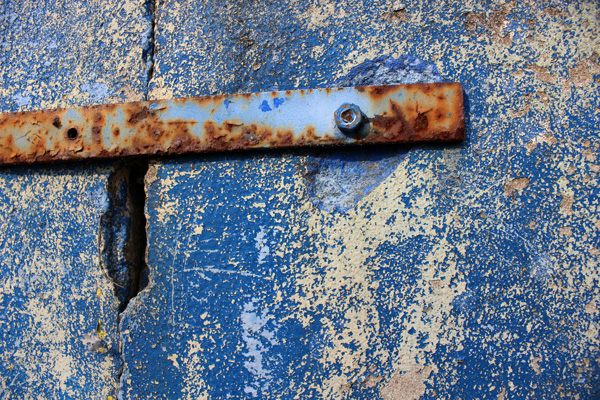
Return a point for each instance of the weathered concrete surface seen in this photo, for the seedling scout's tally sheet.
(54, 292)
(64, 53)
(465, 272)
(58, 309)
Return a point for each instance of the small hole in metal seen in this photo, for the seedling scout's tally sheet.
(72, 133)
(348, 116)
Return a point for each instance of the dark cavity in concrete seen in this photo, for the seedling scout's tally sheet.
(123, 231)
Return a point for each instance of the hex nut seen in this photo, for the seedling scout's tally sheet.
(349, 118)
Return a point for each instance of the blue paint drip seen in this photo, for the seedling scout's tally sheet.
(264, 106)
(227, 103)
(277, 101)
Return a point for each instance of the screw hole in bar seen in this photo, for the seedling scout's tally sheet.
(72, 133)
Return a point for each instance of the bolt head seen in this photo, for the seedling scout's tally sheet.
(349, 118)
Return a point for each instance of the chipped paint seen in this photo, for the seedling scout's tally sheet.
(257, 339)
(440, 277)
(51, 331)
(515, 185)
(53, 288)
(408, 386)
(464, 271)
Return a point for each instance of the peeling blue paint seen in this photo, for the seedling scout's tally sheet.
(473, 333)
(51, 301)
(463, 271)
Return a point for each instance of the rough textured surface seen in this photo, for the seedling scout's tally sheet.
(58, 331)
(431, 272)
(58, 230)
(66, 54)
(463, 272)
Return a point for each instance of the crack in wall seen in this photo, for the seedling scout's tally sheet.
(123, 226)
(149, 44)
(122, 238)
(123, 231)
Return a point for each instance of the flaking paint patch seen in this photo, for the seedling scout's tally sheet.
(541, 73)
(583, 73)
(502, 394)
(346, 247)
(173, 359)
(545, 138)
(261, 245)
(319, 13)
(535, 364)
(41, 272)
(566, 205)
(194, 384)
(22, 99)
(257, 339)
(566, 231)
(515, 185)
(541, 268)
(407, 386)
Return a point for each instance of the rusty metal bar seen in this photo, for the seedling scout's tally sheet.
(430, 112)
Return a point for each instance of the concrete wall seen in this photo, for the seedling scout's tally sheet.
(463, 271)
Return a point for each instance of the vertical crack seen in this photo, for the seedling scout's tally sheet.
(122, 239)
(137, 239)
(149, 44)
(123, 231)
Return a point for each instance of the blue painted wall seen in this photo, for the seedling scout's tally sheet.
(464, 271)
(64, 228)
(459, 272)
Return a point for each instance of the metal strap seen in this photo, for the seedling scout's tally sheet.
(431, 112)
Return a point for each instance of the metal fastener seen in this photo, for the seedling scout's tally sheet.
(349, 118)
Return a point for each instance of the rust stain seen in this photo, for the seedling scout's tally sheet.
(421, 122)
(378, 92)
(406, 113)
(97, 134)
(138, 115)
(393, 125)
(412, 122)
